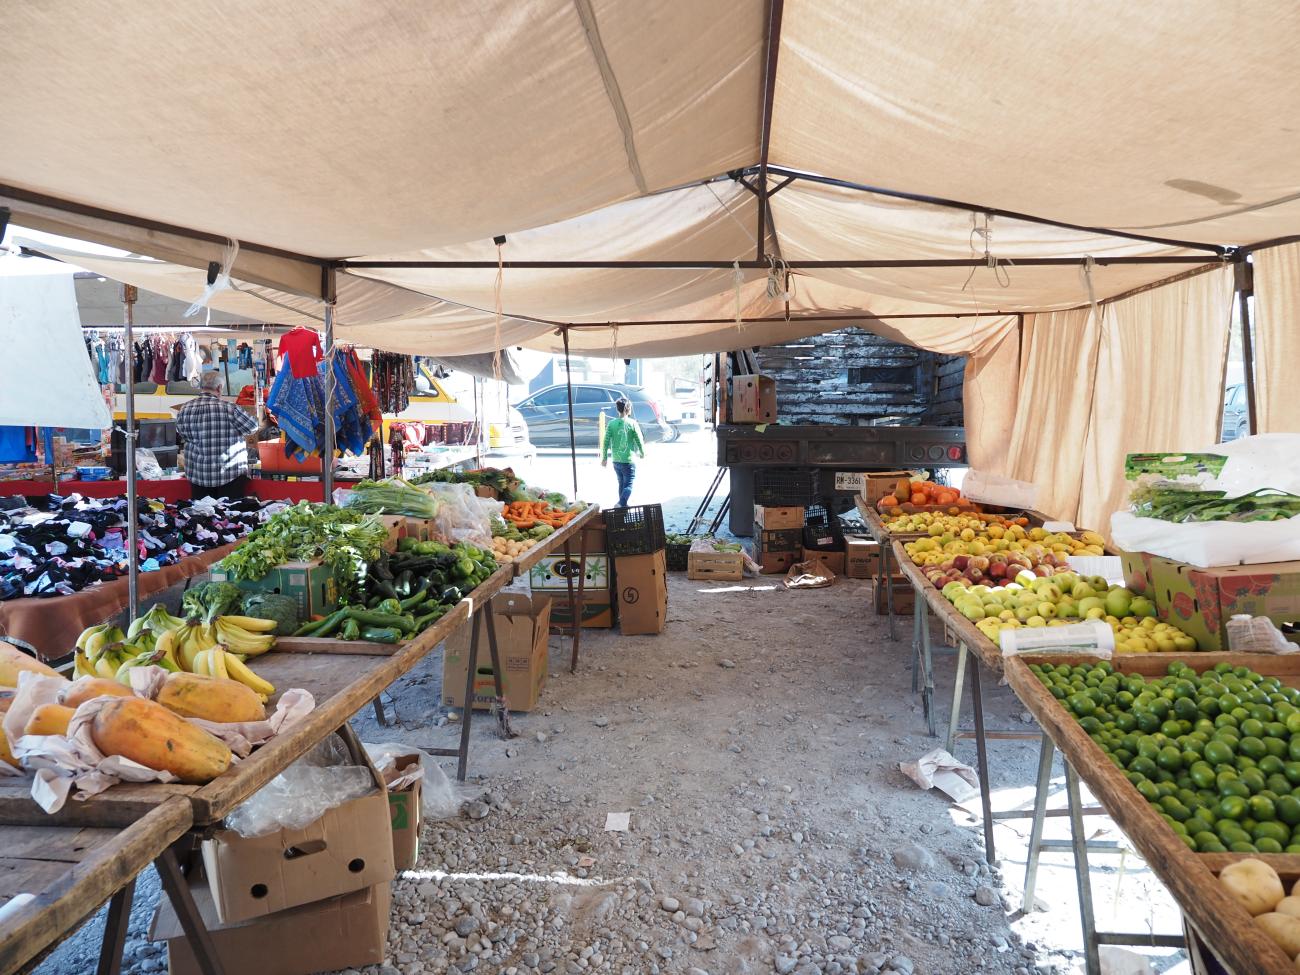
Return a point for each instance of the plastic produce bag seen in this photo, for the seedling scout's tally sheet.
(147, 467)
(460, 517)
(1270, 460)
(303, 792)
(440, 798)
(1257, 634)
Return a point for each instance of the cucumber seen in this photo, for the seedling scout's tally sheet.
(381, 634)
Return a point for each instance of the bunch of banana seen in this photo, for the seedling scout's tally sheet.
(96, 643)
(247, 636)
(189, 640)
(217, 661)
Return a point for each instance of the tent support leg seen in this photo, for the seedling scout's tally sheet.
(1245, 288)
(327, 448)
(129, 295)
(568, 385)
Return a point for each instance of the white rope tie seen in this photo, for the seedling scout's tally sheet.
(220, 283)
(997, 265)
(496, 335)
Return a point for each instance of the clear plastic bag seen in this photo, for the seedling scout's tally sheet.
(461, 518)
(440, 798)
(302, 793)
(1257, 634)
(147, 467)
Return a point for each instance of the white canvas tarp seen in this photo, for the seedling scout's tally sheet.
(45, 373)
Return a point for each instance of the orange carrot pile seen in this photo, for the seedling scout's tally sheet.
(528, 514)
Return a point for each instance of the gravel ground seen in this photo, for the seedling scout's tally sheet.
(755, 744)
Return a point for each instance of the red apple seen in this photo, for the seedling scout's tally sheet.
(980, 562)
(1044, 571)
(959, 562)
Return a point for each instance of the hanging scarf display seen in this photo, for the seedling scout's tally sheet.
(393, 377)
(298, 405)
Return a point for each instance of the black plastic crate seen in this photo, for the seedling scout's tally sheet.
(678, 555)
(822, 531)
(637, 530)
(779, 487)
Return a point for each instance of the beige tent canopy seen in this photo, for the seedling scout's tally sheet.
(683, 177)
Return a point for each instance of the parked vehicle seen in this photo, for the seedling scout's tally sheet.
(547, 414)
(1236, 419)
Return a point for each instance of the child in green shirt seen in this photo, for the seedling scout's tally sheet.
(622, 439)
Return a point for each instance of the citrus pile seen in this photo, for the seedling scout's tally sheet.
(1217, 754)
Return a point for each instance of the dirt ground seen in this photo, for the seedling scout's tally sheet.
(755, 744)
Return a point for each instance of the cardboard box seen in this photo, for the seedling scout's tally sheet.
(904, 596)
(1201, 601)
(395, 525)
(778, 519)
(551, 574)
(348, 931)
(642, 593)
(347, 849)
(312, 584)
(861, 557)
(783, 540)
(832, 560)
(404, 812)
(753, 399)
(881, 483)
(1138, 572)
(420, 529)
(771, 563)
(600, 613)
(523, 625)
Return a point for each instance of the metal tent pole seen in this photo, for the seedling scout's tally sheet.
(327, 448)
(129, 295)
(1245, 288)
(568, 384)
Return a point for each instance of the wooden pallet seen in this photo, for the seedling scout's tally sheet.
(715, 566)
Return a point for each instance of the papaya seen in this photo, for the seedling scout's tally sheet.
(82, 690)
(210, 698)
(13, 661)
(49, 719)
(148, 733)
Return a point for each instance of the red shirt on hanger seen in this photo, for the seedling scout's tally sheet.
(302, 348)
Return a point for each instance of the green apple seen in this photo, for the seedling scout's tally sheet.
(1098, 582)
(1088, 604)
(1047, 610)
(1069, 611)
(1082, 590)
(1035, 621)
(1141, 606)
(1118, 602)
(1095, 613)
(1026, 578)
(1024, 612)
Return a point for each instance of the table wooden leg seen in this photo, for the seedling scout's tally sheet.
(916, 644)
(1042, 786)
(577, 607)
(927, 691)
(115, 925)
(196, 932)
(954, 718)
(886, 579)
(1079, 842)
(467, 714)
(981, 750)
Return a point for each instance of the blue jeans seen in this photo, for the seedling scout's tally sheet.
(624, 473)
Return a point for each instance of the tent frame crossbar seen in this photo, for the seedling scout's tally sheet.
(711, 265)
(776, 9)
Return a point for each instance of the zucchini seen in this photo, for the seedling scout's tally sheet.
(372, 618)
(381, 634)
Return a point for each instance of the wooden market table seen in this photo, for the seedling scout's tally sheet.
(72, 871)
(1208, 909)
(563, 540)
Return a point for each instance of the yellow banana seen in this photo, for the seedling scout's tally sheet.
(236, 669)
(82, 667)
(96, 643)
(201, 664)
(250, 623)
(207, 636)
(241, 641)
(166, 647)
(104, 667)
(217, 662)
(88, 632)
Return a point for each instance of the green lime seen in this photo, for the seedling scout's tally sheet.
(1252, 747)
(1254, 780)
(1218, 753)
(1231, 807)
(1243, 847)
(1288, 810)
(1199, 824)
(1170, 759)
(1148, 790)
(1252, 727)
(1276, 747)
(1278, 784)
(1263, 809)
(1276, 729)
(1143, 766)
(1271, 765)
(1175, 808)
(1234, 787)
(1273, 831)
(1268, 845)
(1090, 724)
(1147, 721)
(1202, 775)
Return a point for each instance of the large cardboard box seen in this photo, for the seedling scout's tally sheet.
(348, 931)
(861, 557)
(1201, 601)
(782, 540)
(523, 625)
(347, 849)
(832, 560)
(394, 524)
(778, 519)
(551, 575)
(312, 584)
(598, 613)
(753, 399)
(878, 484)
(642, 593)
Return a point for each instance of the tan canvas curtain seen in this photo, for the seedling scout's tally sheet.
(1057, 366)
(1159, 382)
(990, 397)
(1277, 338)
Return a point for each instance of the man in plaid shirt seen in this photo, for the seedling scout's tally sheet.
(215, 435)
